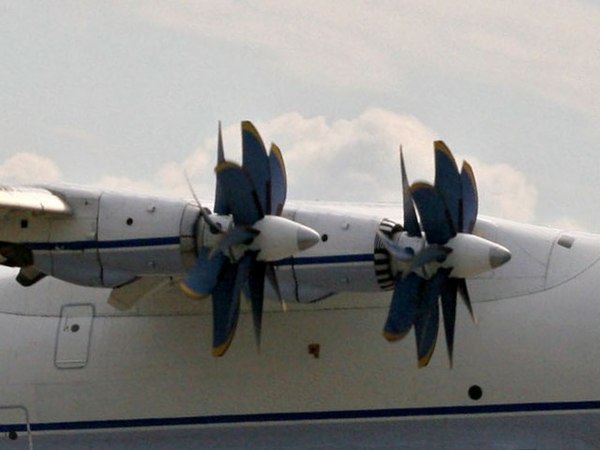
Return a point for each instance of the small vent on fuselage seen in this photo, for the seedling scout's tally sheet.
(566, 241)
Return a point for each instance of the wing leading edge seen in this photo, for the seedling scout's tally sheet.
(37, 200)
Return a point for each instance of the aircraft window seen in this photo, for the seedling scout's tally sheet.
(475, 392)
(324, 238)
(566, 241)
(129, 221)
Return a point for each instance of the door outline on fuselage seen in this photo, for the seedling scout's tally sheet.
(18, 426)
(74, 335)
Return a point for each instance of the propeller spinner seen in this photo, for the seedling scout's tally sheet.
(434, 257)
(243, 237)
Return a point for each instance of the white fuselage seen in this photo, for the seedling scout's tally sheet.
(533, 350)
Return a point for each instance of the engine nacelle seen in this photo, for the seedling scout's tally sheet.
(467, 255)
(108, 240)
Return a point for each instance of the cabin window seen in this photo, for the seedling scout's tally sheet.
(475, 392)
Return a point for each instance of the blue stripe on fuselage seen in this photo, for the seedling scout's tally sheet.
(175, 240)
(88, 245)
(472, 410)
(328, 259)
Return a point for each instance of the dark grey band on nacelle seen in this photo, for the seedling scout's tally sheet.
(382, 258)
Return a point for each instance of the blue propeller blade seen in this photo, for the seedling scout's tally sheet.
(435, 219)
(448, 207)
(448, 182)
(247, 193)
(403, 307)
(464, 293)
(255, 292)
(220, 151)
(220, 201)
(239, 194)
(470, 198)
(256, 164)
(278, 181)
(272, 279)
(226, 302)
(411, 223)
(427, 320)
(202, 279)
(449, 294)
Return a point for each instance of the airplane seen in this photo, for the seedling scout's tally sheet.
(128, 319)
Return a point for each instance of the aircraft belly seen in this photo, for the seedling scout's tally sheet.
(523, 352)
(548, 432)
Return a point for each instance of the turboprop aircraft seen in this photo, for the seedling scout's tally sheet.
(147, 317)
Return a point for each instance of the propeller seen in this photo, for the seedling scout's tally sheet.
(244, 236)
(434, 257)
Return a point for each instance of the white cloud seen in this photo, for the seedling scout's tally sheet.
(346, 160)
(504, 191)
(170, 179)
(199, 168)
(29, 168)
(355, 160)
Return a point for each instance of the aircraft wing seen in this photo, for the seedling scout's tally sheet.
(36, 200)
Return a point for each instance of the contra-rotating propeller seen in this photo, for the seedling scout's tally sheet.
(246, 233)
(431, 269)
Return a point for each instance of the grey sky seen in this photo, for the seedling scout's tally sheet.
(128, 93)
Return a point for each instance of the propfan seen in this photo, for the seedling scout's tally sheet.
(432, 258)
(237, 243)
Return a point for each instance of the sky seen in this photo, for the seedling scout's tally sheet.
(127, 95)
